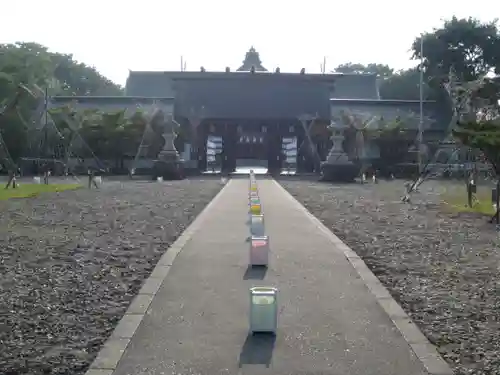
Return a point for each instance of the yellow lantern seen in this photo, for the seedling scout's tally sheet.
(256, 209)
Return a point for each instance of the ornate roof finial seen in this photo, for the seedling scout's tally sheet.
(252, 58)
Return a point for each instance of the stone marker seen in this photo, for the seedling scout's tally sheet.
(263, 310)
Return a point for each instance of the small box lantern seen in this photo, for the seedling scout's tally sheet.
(254, 200)
(259, 250)
(253, 195)
(257, 225)
(255, 209)
(263, 310)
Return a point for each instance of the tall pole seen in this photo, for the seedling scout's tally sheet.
(46, 120)
(421, 120)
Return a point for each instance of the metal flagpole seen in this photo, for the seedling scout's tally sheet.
(421, 120)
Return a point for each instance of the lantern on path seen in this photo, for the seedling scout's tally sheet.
(259, 250)
(254, 200)
(263, 310)
(257, 225)
(253, 195)
(255, 209)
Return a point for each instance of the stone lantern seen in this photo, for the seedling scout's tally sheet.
(337, 166)
(168, 164)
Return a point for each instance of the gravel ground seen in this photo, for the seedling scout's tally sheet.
(71, 263)
(442, 267)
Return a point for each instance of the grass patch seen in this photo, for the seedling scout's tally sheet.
(458, 203)
(33, 190)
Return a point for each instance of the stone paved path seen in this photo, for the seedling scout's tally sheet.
(329, 322)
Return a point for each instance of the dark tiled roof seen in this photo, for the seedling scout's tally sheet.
(110, 99)
(356, 86)
(347, 86)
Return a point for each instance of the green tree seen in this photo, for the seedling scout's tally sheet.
(381, 70)
(74, 78)
(393, 139)
(479, 126)
(469, 47)
(25, 70)
(405, 85)
(400, 85)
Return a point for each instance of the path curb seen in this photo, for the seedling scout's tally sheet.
(113, 349)
(420, 345)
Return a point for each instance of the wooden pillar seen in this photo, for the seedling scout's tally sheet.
(274, 148)
(201, 137)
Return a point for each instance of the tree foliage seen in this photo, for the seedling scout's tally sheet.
(393, 85)
(393, 138)
(469, 47)
(471, 50)
(33, 64)
(478, 125)
(27, 70)
(381, 70)
(106, 137)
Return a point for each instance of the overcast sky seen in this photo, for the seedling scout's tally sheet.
(115, 36)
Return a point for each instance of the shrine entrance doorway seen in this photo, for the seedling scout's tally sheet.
(252, 150)
(244, 144)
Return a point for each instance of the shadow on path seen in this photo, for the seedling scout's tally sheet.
(255, 273)
(257, 349)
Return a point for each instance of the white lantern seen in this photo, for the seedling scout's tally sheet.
(259, 250)
(253, 194)
(257, 225)
(263, 310)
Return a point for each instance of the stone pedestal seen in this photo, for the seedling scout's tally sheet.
(337, 166)
(169, 165)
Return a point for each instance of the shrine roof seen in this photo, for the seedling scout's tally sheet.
(378, 101)
(162, 83)
(217, 75)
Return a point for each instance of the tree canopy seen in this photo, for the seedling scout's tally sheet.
(397, 85)
(34, 64)
(469, 47)
(27, 70)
